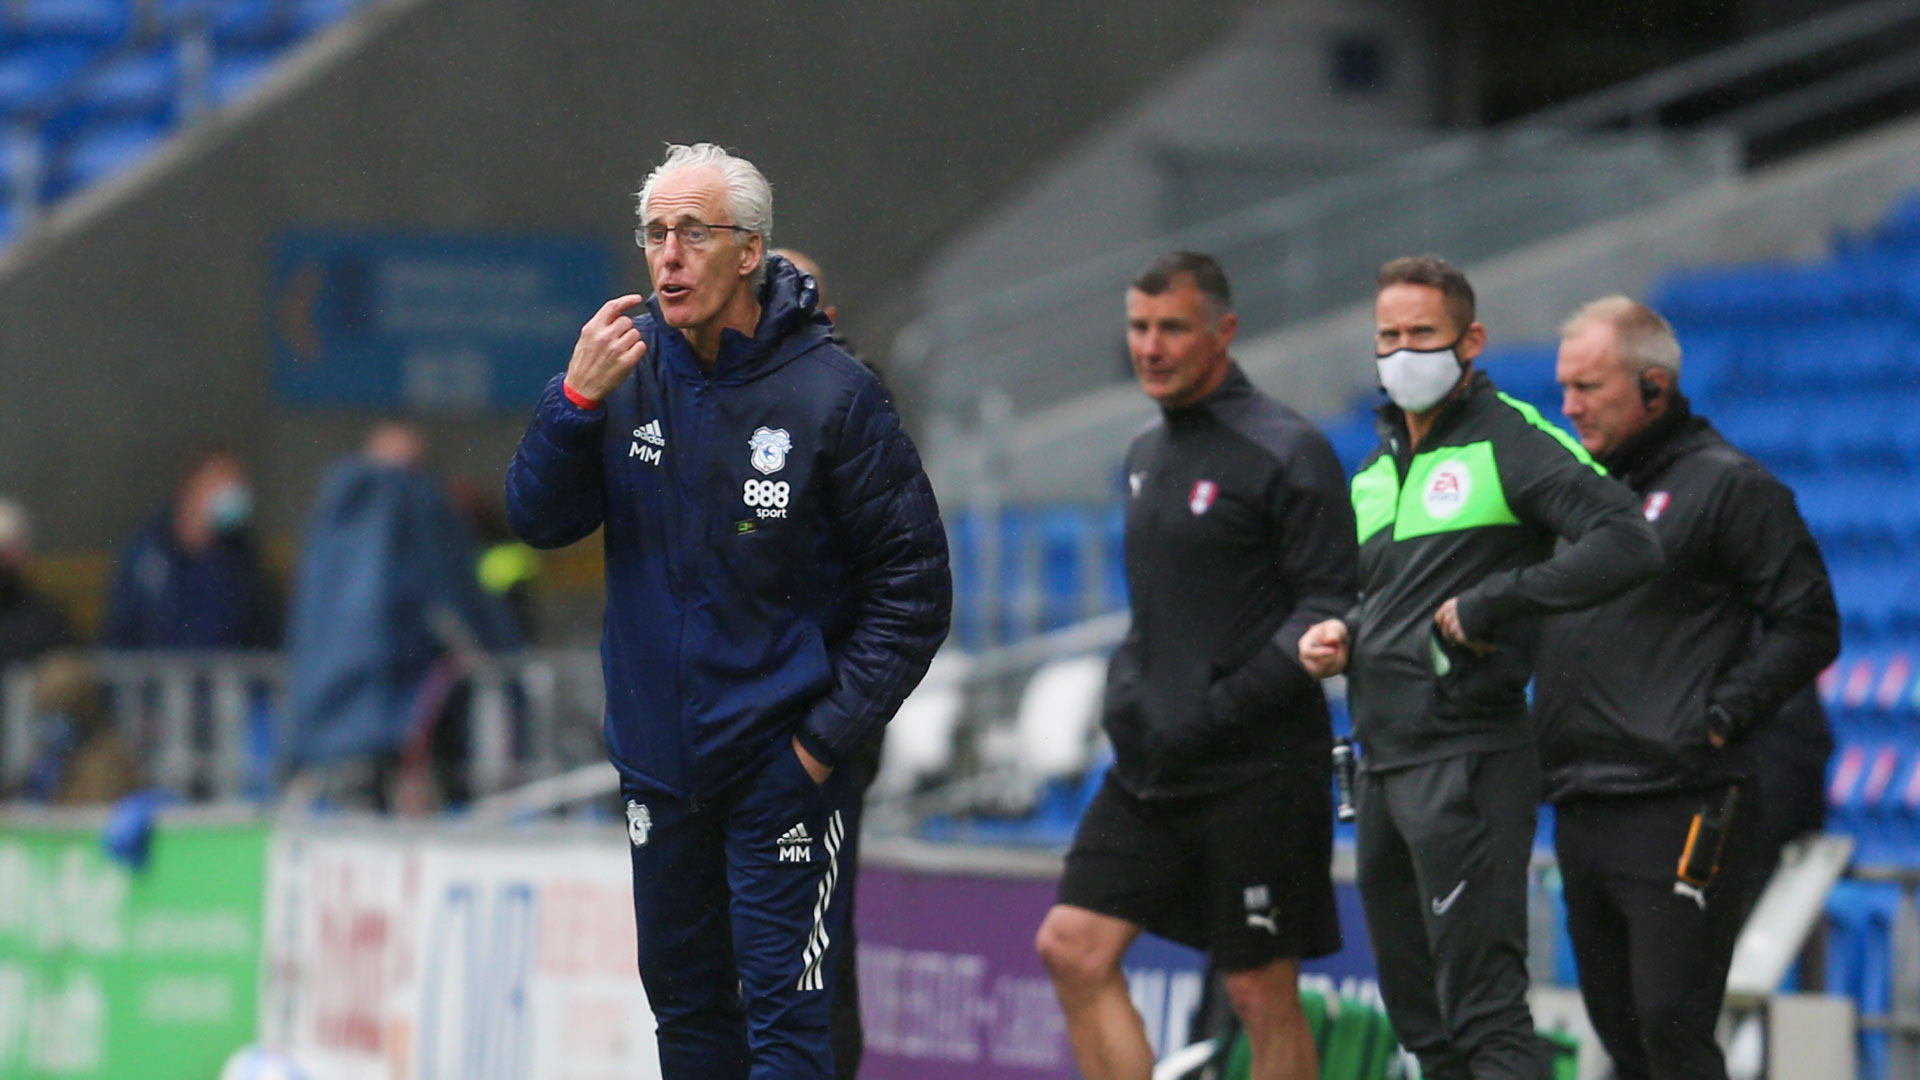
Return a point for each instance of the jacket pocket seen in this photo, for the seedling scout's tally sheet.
(1121, 708)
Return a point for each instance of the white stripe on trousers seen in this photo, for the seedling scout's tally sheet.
(816, 951)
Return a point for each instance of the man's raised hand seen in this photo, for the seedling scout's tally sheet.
(607, 351)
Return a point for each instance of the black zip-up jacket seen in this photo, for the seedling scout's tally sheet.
(1742, 618)
(1238, 538)
(1474, 513)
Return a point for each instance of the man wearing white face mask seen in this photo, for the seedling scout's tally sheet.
(1458, 513)
(192, 577)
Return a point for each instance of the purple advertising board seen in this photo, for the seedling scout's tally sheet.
(950, 988)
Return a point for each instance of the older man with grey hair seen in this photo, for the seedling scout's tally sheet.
(776, 584)
(1649, 705)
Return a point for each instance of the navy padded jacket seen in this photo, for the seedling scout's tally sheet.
(776, 565)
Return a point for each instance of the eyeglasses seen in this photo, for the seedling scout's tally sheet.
(694, 234)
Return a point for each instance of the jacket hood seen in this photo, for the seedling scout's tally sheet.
(791, 325)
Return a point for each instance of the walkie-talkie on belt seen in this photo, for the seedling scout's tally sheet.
(1707, 838)
(1344, 768)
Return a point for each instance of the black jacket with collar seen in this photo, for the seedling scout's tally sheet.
(1742, 618)
(1238, 538)
(1473, 512)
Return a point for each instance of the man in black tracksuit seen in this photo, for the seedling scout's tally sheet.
(1458, 512)
(1646, 704)
(1214, 827)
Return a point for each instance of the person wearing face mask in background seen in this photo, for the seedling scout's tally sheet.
(1458, 513)
(191, 578)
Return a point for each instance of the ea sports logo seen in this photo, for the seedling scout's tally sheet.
(1447, 489)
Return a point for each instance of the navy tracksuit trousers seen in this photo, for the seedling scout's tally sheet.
(741, 906)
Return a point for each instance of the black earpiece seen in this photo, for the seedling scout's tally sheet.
(1649, 390)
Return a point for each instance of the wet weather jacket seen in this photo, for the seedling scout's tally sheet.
(1742, 618)
(1474, 512)
(776, 565)
(1239, 537)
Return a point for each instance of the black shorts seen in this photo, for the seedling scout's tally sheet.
(1246, 874)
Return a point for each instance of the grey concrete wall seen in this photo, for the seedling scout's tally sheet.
(133, 326)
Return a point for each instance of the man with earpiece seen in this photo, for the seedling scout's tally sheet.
(1458, 513)
(1648, 706)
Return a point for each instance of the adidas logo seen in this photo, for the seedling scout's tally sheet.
(796, 845)
(650, 433)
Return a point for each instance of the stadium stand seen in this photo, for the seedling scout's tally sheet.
(88, 87)
(1809, 367)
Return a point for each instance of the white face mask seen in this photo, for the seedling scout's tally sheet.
(1417, 379)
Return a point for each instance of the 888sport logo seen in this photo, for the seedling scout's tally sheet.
(767, 497)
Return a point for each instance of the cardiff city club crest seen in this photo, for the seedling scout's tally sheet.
(770, 446)
(639, 823)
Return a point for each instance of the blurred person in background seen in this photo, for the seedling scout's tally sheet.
(508, 569)
(862, 766)
(191, 578)
(1650, 706)
(30, 623)
(81, 759)
(777, 584)
(1459, 513)
(387, 611)
(1214, 827)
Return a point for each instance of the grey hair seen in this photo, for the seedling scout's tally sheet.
(749, 196)
(1645, 338)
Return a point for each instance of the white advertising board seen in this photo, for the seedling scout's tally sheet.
(425, 955)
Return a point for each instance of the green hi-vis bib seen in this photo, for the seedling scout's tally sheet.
(1448, 489)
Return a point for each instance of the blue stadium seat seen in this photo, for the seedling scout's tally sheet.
(1772, 429)
(7, 224)
(1353, 435)
(1876, 825)
(1901, 226)
(96, 22)
(312, 15)
(32, 74)
(1858, 430)
(253, 23)
(1065, 540)
(1877, 599)
(1853, 351)
(1772, 294)
(1526, 372)
(964, 542)
(1016, 594)
(143, 85)
(236, 73)
(1872, 516)
(1113, 557)
(1860, 919)
(103, 149)
(1712, 360)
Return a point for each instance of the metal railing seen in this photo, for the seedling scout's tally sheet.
(1901, 1021)
(207, 723)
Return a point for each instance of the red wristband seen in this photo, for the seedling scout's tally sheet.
(579, 399)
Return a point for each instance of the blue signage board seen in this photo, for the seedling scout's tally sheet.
(449, 323)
